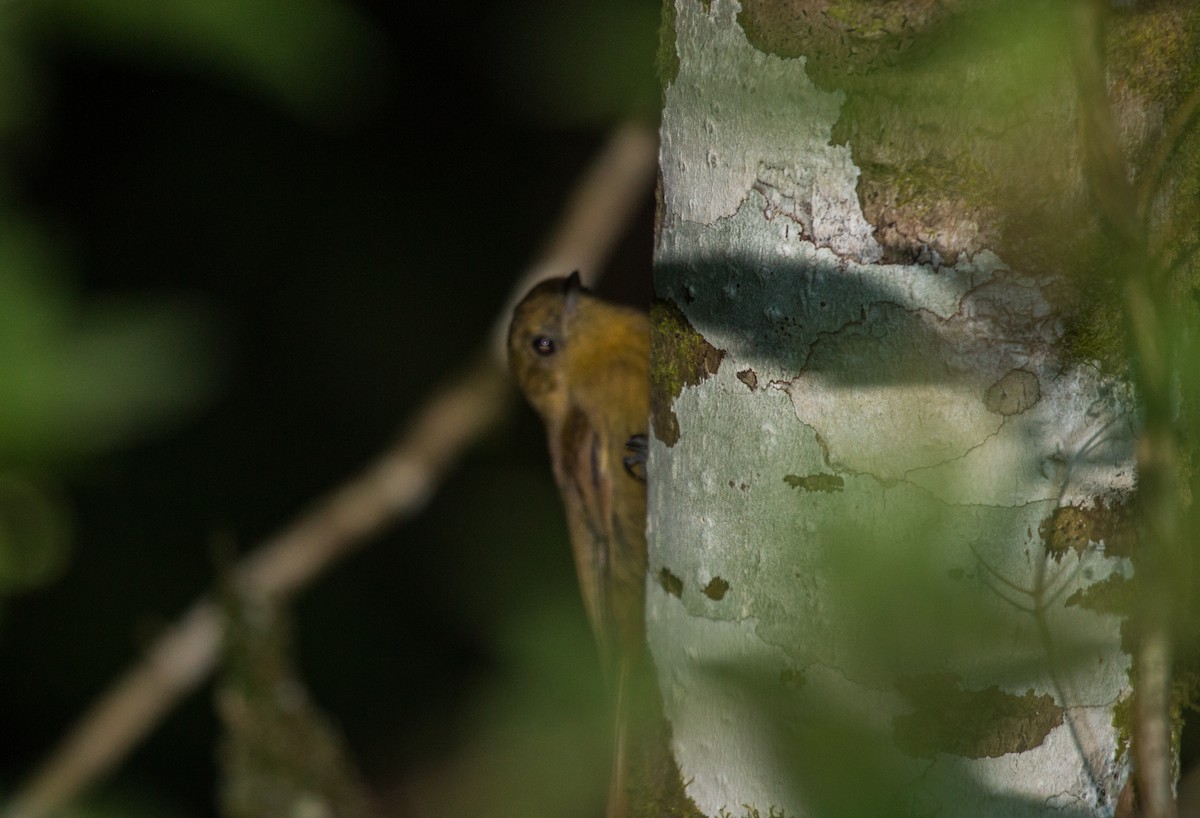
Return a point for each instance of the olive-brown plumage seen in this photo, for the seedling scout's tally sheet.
(583, 363)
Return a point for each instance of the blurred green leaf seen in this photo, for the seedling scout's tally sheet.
(76, 380)
(318, 58)
(18, 81)
(539, 735)
(34, 534)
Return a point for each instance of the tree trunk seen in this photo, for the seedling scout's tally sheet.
(893, 450)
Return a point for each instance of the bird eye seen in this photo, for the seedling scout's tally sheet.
(543, 345)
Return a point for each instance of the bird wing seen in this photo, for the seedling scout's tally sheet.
(586, 485)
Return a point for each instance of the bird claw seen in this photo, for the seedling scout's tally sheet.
(635, 462)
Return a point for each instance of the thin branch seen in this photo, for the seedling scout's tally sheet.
(394, 487)
(1100, 147)
(1150, 182)
(1147, 309)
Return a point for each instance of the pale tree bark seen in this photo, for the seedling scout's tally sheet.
(893, 452)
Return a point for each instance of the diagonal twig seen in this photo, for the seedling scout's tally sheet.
(394, 487)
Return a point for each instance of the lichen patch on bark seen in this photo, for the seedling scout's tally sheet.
(970, 723)
(748, 377)
(1114, 595)
(935, 192)
(815, 482)
(1015, 392)
(837, 36)
(679, 357)
(926, 215)
(716, 588)
(1073, 527)
(670, 583)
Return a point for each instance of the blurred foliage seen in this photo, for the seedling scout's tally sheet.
(318, 58)
(79, 378)
(81, 375)
(209, 191)
(34, 532)
(536, 745)
(75, 379)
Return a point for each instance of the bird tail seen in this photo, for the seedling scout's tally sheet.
(618, 788)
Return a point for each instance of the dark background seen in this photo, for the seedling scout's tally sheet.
(343, 263)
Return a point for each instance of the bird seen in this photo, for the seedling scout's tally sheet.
(583, 364)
